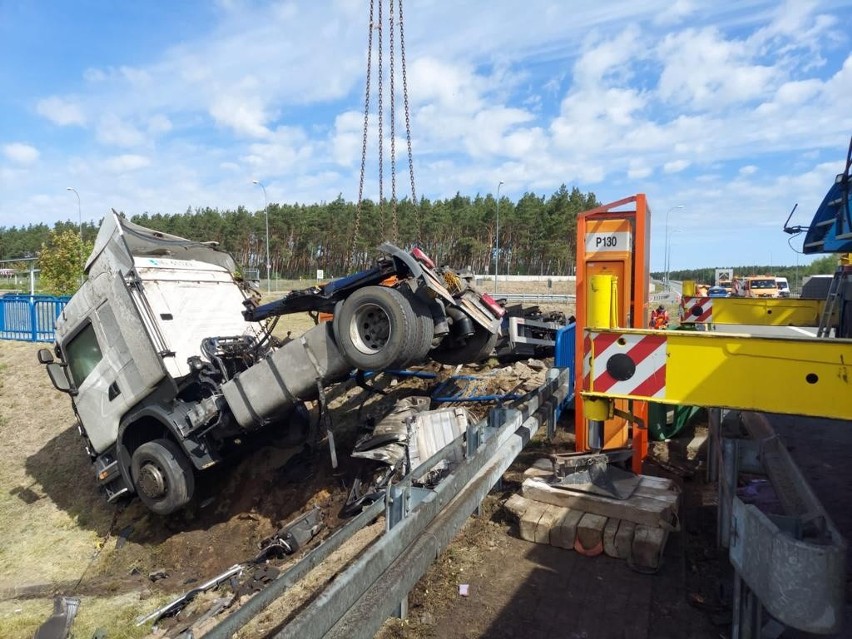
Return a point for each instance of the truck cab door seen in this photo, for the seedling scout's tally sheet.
(111, 362)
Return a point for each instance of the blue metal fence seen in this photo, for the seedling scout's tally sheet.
(31, 318)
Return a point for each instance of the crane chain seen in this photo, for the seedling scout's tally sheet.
(394, 223)
(417, 238)
(381, 130)
(357, 228)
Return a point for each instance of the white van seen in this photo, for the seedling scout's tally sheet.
(783, 287)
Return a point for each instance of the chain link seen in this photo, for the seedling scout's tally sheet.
(381, 130)
(395, 224)
(417, 237)
(357, 229)
(378, 26)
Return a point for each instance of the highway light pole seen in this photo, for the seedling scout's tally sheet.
(80, 217)
(497, 239)
(666, 252)
(266, 213)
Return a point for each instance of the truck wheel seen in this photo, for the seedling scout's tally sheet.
(425, 330)
(375, 328)
(162, 476)
(465, 350)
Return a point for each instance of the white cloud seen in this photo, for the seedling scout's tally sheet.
(61, 111)
(20, 153)
(677, 12)
(286, 149)
(749, 169)
(125, 163)
(159, 124)
(703, 69)
(113, 131)
(638, 170)
(244, 114)
(675, 166)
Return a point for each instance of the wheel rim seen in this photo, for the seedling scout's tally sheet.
(152, 482)
(370, 329)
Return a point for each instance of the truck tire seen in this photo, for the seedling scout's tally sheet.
(162, 476)
(425, 332)
(468, 350)
(375, 328)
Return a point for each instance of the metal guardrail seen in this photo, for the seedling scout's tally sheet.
(30, 318)
(792, 565)
(419, 523)
(536, 297)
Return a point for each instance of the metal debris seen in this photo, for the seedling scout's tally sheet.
(58, 625)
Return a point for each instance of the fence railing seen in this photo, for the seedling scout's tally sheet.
(30, 318)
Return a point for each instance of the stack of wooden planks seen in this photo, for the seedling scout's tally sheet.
(635, 529)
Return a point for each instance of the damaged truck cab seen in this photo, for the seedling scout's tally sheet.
(144, 347)
(170, 366)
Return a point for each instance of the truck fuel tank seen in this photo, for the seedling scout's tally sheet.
(270, 389)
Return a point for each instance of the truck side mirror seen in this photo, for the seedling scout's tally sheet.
(59, 379)
(45, 356)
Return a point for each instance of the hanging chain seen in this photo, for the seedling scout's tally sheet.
(408, 127)
(381, 130)
(378, 26)
(364, 137)
(395, 224)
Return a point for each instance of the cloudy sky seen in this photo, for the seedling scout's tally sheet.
(725, 114)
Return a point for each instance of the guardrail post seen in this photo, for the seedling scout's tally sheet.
(714, 419)
(395, 512)
(727, 485)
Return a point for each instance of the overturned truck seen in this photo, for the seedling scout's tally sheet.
(171, 364)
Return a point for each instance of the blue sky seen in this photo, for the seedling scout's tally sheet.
(725, 116)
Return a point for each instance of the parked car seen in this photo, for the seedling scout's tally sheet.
(717, 291)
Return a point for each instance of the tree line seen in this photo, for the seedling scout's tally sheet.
(537, 234)
(794, 274)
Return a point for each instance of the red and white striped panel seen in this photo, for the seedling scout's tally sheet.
(696, 310)
(628, 364)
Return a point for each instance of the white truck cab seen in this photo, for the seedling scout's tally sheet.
(145, 347)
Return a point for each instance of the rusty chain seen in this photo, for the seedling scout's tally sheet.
(381, 129)
(394, 223)
(357, 229)
(408, 127)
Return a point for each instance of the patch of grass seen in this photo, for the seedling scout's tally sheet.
(116, 615)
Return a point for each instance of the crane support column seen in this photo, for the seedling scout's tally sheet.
(612, 241)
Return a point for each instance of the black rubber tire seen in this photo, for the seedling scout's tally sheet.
(164, 460)
(468, 350)
(375, 328)
(425, 332)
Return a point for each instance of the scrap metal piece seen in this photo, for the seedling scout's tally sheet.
(292, 536)
(177, 604)
(58, 625)
(592, 473)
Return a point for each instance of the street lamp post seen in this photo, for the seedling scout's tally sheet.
(497, 239)
(80, 217)
(266, 213)
(666, 253)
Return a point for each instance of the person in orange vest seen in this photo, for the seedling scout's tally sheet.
(659, 317)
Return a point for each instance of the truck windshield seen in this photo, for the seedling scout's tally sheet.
(83, 353)
(763, 284)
